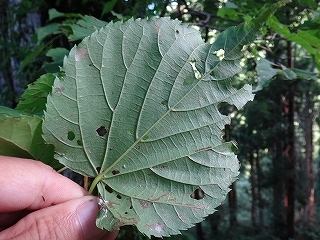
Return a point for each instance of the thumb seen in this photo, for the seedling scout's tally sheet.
(74, 219)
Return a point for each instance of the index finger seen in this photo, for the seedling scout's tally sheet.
(29, 184)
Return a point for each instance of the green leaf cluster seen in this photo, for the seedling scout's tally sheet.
(21, 128)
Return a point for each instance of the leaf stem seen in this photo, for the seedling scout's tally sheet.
(95, 182)
(62, 169)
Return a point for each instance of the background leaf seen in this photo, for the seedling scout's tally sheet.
(21, 137)
(124, 114)
(56, 55)
(266, 73)
(34, 98)
(85, 27)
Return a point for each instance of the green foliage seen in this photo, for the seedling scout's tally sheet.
(84, 27)
(266, 72)
(137, 110)
(22, 138)
(56, 55)
(21, 128)
(309, 40)
(34, 98)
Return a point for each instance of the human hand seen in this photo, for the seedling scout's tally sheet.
(38, 203)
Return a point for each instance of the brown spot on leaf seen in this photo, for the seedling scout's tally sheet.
(158, 198)
(144, 204)
(58, 89)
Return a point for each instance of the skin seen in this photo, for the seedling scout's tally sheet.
(38, 203)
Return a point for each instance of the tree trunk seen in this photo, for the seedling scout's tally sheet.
(259, 195)
(253, 190)
(278, 197)
(232, 195)
(308, 120)
(291, 166)
(291, 163)
(199, 231)
(278, 212)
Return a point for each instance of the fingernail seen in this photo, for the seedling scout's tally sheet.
(87, 213)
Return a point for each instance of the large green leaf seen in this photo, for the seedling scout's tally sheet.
(21, 137)
(138, 110)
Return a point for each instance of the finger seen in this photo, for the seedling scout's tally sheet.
(30, 184)
(74, 219)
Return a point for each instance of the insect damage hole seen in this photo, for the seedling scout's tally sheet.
(71, 135)
(101, 131)
(108, 188)
(197, 194)
(226, 108)
(115, 172)
(197, 73)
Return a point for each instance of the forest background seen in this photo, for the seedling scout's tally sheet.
(277, 195)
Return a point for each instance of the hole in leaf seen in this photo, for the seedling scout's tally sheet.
(118, 196)
(219, 54)
(98, 169)
(108, 188)
(115, 172)
(125, 212)
(130, 207)
(164, 102)
(177, 31)
(102, 131)
(226, 108)
(71, 135)
(197, 194)
(79, 142)
(196, 72)
(145, 137)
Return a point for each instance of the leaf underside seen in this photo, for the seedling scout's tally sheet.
(138, 109)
